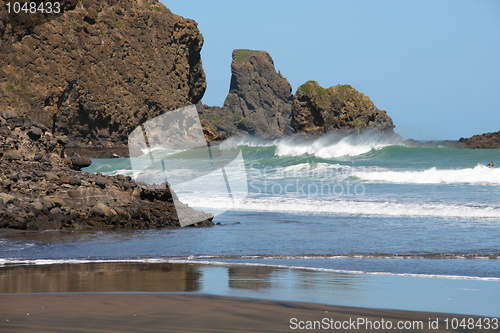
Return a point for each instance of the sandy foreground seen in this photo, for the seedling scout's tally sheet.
(182, 312)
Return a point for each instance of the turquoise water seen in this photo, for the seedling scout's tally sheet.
(357, 206)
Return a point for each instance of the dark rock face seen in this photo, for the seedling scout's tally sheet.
(98, 69)
(219, 123)
(443, 143)
(211, 134)
(39, 190)
(483, 141)
(259, 94)
(317, 110)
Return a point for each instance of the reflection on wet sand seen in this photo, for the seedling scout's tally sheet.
(100, 277)
(164, 277)
(317, 280)
(475, 297)
(251, 277)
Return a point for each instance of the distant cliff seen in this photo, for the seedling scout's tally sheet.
(99, 68)
(259, 99)
(483, 141)
(317, 110)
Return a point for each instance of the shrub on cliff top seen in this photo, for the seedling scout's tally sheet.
(310, 86)
(244, 54)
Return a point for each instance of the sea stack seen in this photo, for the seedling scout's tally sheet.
(260, 94)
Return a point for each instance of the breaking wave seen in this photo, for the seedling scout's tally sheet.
(330, 145)
(348, 207)
(480, 175)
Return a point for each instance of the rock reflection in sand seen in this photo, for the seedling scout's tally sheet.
(162, 277)
(251, 277)
(100, 277)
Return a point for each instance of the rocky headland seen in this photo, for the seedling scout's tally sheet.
(79, 82)
(483, 141)
(480, 141)
(42, 187)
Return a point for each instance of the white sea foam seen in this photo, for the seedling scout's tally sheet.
(25, 262)
(37, 262)
(480, 175)
(330, 145)
(123, 172)
(163, 150)
(303, 170)
(348, 207)
(332, 270)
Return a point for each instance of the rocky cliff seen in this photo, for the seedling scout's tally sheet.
(99, 68)
(259, 95)
(88, 76)
(483, 141)
(317, 110)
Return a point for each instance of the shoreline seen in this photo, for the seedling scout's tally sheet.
(181, 312)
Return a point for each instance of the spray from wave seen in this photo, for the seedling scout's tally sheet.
(331, 145)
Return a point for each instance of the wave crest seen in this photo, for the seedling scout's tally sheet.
(480, 174)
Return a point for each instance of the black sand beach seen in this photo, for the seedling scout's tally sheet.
(166, 297)
(170, 312)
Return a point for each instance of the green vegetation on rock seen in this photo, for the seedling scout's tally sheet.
(11, 87)
(312, 86)
(244, 54)
(223, 118)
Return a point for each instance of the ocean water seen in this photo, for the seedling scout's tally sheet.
(355, 205)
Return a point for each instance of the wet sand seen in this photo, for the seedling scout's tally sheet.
(174, 312)
(175, 297)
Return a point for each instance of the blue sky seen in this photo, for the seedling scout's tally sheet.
(433, 65)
